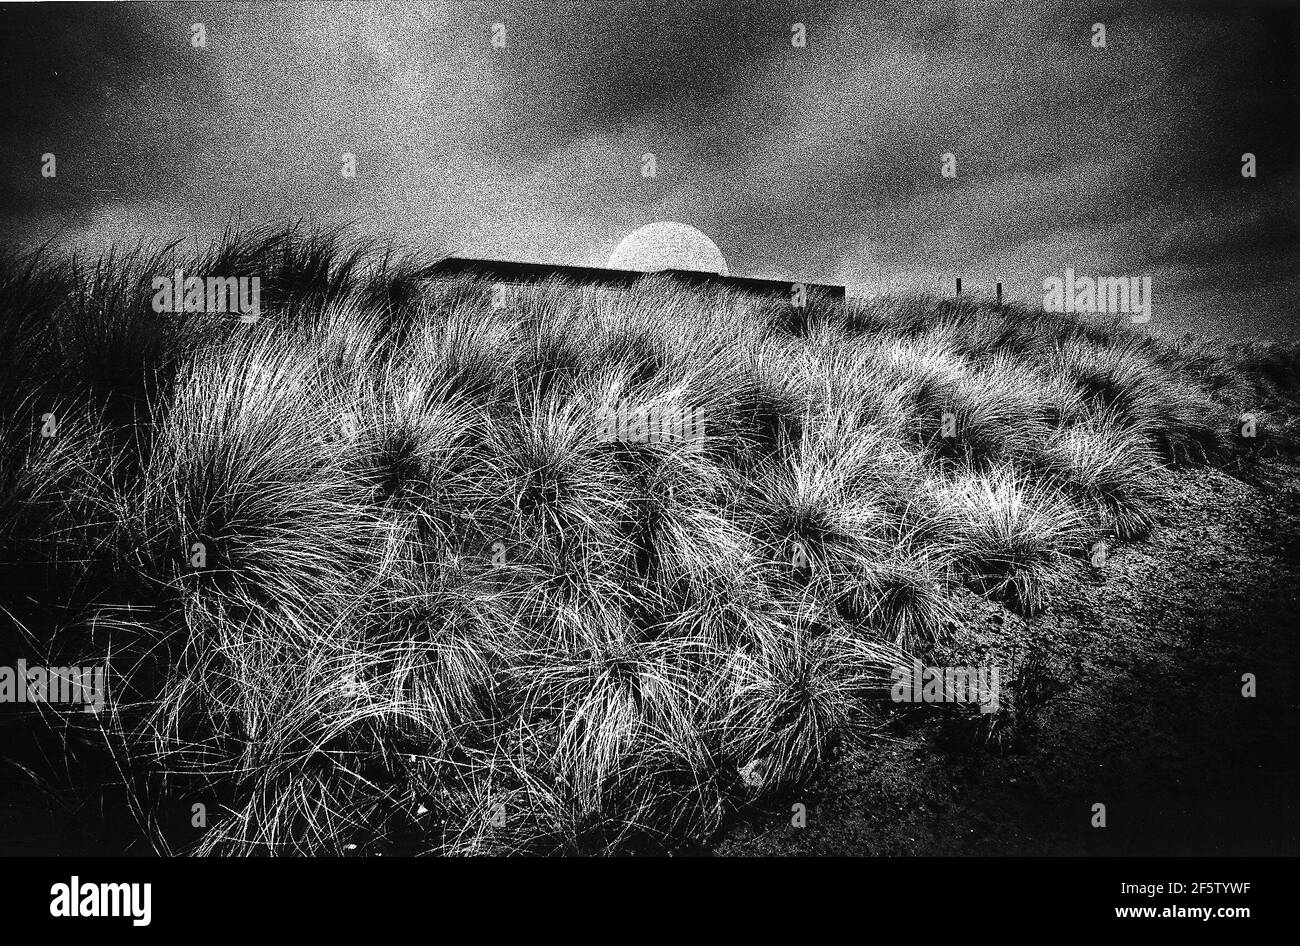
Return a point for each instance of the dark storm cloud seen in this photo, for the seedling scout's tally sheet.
(104, 89)
(613, 65)
(820, 162)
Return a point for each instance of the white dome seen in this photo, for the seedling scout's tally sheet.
(667, 245)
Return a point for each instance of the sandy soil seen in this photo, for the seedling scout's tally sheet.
(1150, 649)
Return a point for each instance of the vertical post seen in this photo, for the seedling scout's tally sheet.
(999, 293)
(959, 285)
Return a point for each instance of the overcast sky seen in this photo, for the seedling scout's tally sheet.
(820, 162)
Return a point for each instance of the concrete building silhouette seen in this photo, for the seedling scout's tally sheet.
(517, 273)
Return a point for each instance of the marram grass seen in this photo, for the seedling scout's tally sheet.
(367, 573)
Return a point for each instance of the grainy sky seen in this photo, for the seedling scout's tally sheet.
(820, 162)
